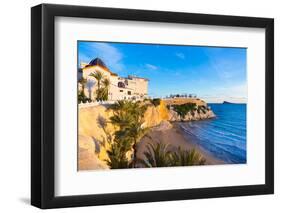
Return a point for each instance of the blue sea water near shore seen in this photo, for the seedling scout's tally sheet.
(224, 137)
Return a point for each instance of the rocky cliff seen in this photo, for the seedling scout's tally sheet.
(191, 116)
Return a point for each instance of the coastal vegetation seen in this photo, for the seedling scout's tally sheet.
(82, 81)
(82, 98)
(155, 101)
(183, 109)
(156, 156)
(159, 155)
(103, 85)
(128, 118)
(105, 89)
(187, 158)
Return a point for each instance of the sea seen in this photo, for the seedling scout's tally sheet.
(224, 137)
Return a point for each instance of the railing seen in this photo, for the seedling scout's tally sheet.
(95, 103)
(184, 95)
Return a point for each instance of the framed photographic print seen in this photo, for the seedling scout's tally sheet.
(140, 106)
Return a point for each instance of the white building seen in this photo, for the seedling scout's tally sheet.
(131, 87)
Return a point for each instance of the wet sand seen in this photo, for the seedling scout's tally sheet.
(175, 137)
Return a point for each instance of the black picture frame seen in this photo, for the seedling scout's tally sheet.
(43, 102)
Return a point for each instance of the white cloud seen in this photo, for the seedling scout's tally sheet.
(180, 55)
(111, 56)
(151, 66)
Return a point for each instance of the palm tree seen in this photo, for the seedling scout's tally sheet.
(128, 118)
(117, 158)
(81, 94)
(135, 130)
(186, 158)
(98, 76)
(82, 81)
(136, 133)
(122, 116)
(159, 156)
(156, 155)
(105, 89)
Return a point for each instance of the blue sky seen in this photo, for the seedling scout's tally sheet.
(213, 73)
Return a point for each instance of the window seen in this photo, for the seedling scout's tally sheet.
(129, 93)
(121, 90)
(121, 85)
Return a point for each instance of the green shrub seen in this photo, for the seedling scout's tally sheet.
(156, 101)
(158, 155)
(82, 98)
(117, 157)
(183, 109)
(187, 158)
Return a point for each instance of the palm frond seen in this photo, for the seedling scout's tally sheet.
(187, 158)
(156, 155)
(97, 75)
(128, 117)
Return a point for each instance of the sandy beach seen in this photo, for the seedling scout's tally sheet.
(174, 136)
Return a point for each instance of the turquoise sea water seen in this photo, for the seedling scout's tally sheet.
(224, 136)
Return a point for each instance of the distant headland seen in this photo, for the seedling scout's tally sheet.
(226, 102)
